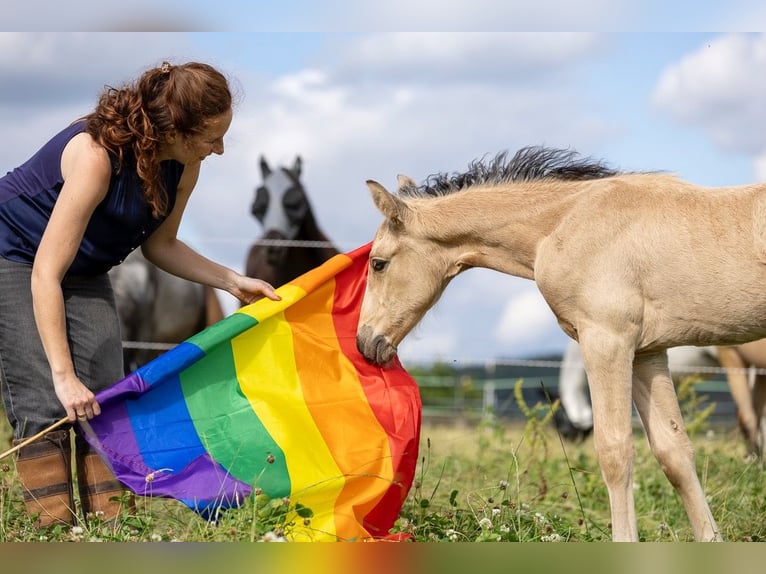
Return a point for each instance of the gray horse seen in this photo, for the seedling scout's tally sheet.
(158, 310)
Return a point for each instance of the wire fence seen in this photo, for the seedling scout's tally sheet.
(474, 390)
(477, 391)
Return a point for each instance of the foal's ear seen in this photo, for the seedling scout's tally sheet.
(387, 203)
(407, 185)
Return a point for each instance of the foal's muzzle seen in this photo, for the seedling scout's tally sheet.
(377, 349)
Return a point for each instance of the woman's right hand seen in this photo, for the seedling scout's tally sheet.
(78, 401)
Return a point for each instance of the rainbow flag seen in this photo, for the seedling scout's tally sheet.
(274, 398)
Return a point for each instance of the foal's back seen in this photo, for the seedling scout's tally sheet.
(655, 249)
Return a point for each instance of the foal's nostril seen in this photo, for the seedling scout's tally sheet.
(365, 343)
(376, 349)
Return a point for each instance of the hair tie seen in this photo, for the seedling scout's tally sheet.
(165, 68)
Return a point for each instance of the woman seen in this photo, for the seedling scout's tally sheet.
(115, 180)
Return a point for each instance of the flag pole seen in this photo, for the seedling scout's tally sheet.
(34, 438)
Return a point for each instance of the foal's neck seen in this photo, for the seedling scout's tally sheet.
(499, 228)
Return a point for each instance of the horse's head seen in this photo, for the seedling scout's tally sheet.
(280, 205)
(407, 274)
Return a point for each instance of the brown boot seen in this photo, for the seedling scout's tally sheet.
(101, 494)
(45, 472)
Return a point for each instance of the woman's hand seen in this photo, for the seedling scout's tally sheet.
(249, 289)
(78, 401)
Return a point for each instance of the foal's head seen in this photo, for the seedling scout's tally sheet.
(407, 274)
(414, 257)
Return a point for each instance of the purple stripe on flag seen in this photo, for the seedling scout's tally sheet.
(200, 484)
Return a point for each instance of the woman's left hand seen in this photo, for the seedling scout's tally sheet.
(249, 290)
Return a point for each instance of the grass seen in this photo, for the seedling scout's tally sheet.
(496, 481)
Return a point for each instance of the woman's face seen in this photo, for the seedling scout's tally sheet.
(195, 148)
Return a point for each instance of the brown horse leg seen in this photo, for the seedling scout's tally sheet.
(213, 308)
(608, 365)
(736, 375)
(759, 404)
(657, 405)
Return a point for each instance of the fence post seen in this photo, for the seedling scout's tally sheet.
(489, 397)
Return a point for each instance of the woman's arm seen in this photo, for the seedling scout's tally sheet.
(86, 170)
(165, 250)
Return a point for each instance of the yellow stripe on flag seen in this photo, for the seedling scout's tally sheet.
(264, 359)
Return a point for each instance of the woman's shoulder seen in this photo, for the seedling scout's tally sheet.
(83, 152)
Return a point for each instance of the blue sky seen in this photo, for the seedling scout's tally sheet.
(368, 105)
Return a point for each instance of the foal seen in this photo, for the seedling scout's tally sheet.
(630, 263)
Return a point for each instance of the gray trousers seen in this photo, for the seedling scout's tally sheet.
(93, 332)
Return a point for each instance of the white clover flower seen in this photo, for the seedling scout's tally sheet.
(155, 537)
(77, 530)
(495, 511)
(551, 538)
(485, 523)
(270, 536)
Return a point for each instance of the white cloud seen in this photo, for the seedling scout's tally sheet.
(720, 89)
(495, 58)
(527, 321)
(55, 67)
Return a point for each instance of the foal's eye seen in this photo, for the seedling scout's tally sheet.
(378, 265)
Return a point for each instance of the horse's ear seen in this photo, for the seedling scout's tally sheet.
(392, 207)
(297, 166)
(265, 169)
(407, 185)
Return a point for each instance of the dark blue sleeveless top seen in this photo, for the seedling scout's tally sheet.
(119, 224)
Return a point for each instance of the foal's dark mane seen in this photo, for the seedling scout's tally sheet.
(528, 164)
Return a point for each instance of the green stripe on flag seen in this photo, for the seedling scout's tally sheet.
(223, 417)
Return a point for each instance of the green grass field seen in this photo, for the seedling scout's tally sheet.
(493, 481)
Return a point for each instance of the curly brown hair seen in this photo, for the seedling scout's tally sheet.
(133, 121)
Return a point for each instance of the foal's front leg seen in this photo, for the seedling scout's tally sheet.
(657, 405)
(608, 363)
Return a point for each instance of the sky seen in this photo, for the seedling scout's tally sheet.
(373, 104)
